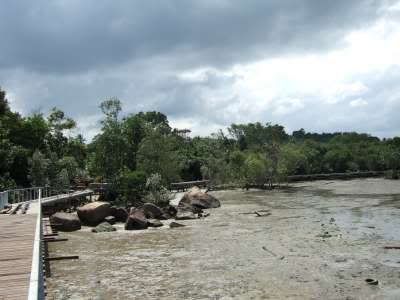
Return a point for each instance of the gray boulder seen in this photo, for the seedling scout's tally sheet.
(136, 220)
(152, 211)
(168, 212)
(197, 198)
(185, 214)
(94, 213)
(104, 227)
(65, 221)
(121, 214)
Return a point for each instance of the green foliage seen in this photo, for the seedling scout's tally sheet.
(69, 167)
(256, 169)
(34, 149)
(108, 148)
(157, 154)
(292, 159)
(131, 185)
(156, 191)
(38, 172)
(142, 147)
(62, 182)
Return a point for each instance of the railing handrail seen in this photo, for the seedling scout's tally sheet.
(25, 189)
(36, 286)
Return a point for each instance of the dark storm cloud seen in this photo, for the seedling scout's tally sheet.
(73, 54)
(74, 36)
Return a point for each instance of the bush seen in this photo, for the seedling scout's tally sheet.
(392, 174)
(156, 192)
(131, 186)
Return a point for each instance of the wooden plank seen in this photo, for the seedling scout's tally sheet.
(16, 242)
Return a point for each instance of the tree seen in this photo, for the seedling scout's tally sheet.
(108, 147)
(255, 169)
(157, 154)
(62, 182)
(291, 160)
(156, 191)
(58, 124)
(38, 171)
(131, 186)
(134, 130)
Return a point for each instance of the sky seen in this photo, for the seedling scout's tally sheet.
(315, 64)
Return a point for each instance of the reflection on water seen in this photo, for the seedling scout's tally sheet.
(231, 255)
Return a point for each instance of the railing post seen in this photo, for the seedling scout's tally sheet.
(2, 200)
(36, 286)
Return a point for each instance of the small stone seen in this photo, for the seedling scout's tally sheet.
(104, 227)
(175, 225)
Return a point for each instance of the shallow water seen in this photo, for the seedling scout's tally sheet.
(321, 241)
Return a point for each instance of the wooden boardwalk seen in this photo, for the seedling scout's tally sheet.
(17, 234)
(17, 243)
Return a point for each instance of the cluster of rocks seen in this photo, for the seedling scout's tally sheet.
(102, 216)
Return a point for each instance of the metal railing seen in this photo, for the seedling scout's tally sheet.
(36, 283)
(3, 199)
(22, 195)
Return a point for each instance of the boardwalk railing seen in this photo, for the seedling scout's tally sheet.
(36, 284)
(22, 195)
(3, 199)
(188, 184)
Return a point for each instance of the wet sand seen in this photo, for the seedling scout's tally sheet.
(321, 241)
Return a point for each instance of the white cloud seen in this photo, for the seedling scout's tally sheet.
(288, 106)
(359, 102)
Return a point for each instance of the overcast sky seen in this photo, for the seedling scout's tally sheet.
(318, 64)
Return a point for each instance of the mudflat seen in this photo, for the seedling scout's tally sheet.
(313, 240)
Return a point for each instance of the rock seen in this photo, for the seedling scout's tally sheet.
(66, 221)
(168, 212)
(94, 213)
(155, 223)
(104, 227)
(324, 235)
(196, 197)
(175, 225)
(204, 215)
(136, 220)
(113, 211)
(111, 220)
(187, 211)
(184, 214)
(152, 211)
(121, 214)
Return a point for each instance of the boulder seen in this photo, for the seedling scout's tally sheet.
(155, 223)
(168, 212)
(104, 227)
(65, 221)
(152, 211)
(94, 213)
(175, 225)
(186, 213)
(121, 214)
(113, 211)
(110, 219)
(136, 220)
(197, 198)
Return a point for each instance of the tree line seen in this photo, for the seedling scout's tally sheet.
(140, 153)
